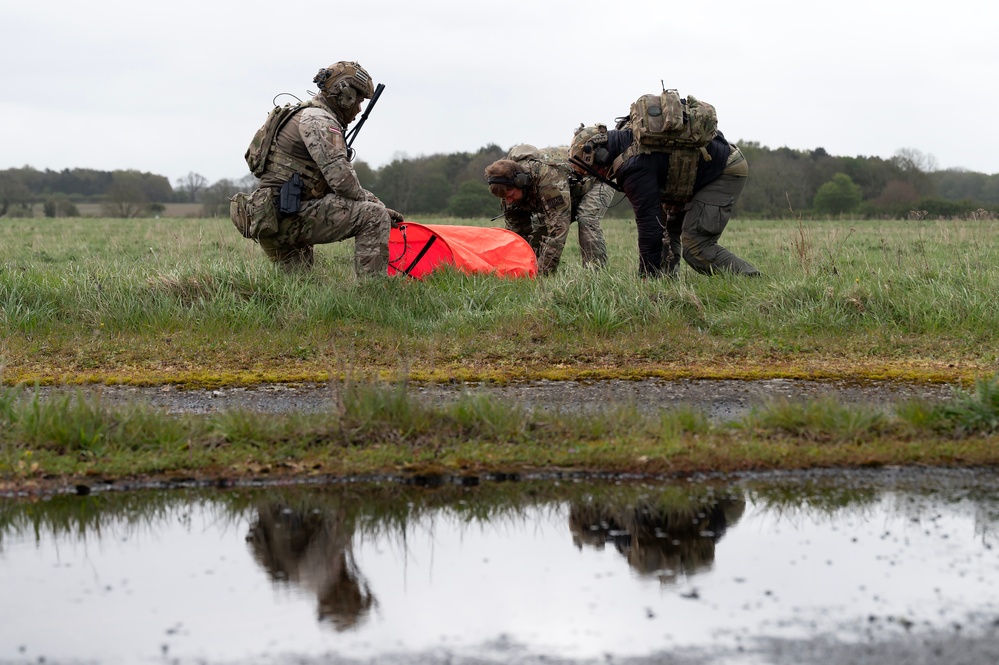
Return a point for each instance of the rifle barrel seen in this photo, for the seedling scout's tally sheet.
(352, 134)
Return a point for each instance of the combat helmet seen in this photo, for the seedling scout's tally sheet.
(345, 73)
(344, 84)
(589, 146)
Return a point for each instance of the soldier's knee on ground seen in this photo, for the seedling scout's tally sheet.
(719, 260)
(289, 257)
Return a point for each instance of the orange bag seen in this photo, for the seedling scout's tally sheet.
(416, 249)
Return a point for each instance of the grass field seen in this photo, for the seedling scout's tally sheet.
(189, 302)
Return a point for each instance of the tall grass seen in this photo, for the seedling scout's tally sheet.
(124, 298)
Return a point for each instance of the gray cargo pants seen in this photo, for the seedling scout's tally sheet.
(707, 215)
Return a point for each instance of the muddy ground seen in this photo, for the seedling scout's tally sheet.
(721, 400)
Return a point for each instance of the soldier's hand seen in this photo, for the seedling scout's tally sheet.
(395, 217)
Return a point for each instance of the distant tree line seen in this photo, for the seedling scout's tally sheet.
(787, 182)
(782, 183)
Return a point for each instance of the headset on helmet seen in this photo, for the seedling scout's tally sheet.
(589, 146)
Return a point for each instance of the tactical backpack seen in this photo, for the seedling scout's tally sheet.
(526, 152)
(263, 140)
(256, 215)
(680, 126)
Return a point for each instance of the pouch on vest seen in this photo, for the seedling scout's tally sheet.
(239, 213)
(254, 215)
(680, 178)
(263, 213)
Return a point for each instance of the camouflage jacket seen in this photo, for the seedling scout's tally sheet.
(312, 144)
(555, 190)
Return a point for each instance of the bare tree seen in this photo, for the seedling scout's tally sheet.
(916, 167)
(215, 200)
(124, 200)
(247, 183)
(910, 159)
(193, 184)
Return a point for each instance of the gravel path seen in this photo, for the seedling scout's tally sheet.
(721, 400)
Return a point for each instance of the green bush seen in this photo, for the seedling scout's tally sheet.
(838, 196)
(473, 200)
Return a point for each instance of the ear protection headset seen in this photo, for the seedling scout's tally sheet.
(589, 146)
(601, 155)
(520, 181)
(347, 96)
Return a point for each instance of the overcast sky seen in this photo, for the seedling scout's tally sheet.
(181, 86)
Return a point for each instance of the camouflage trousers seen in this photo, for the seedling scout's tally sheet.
(592, 245)
(332, 218)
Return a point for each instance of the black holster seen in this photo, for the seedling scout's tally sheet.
(291, 195)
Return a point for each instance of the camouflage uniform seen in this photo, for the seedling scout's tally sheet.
(555, 199)
(334, 205)
(592, 204)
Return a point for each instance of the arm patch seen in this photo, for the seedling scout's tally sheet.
(335, 137)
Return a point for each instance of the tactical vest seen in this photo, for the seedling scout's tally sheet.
(680, 127)
(555, 158)
(277, 152)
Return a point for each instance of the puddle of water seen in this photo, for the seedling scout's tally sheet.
(571, 571)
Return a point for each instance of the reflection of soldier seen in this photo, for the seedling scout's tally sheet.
(314, 551)
(666, 541)
(542, 196)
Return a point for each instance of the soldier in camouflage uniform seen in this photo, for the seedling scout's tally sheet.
(333, 206)
(542, 197)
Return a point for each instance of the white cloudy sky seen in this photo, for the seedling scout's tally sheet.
(181, 86)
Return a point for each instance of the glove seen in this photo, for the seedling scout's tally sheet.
(395, 217)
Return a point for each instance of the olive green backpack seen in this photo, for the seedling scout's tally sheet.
(680, 126)
(263, 140)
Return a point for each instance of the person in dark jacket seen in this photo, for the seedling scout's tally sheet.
(668, 228)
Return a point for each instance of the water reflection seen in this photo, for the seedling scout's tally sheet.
(313, 548)
(665, 540)
(707, 572)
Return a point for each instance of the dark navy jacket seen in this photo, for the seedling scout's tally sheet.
(641, 178)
